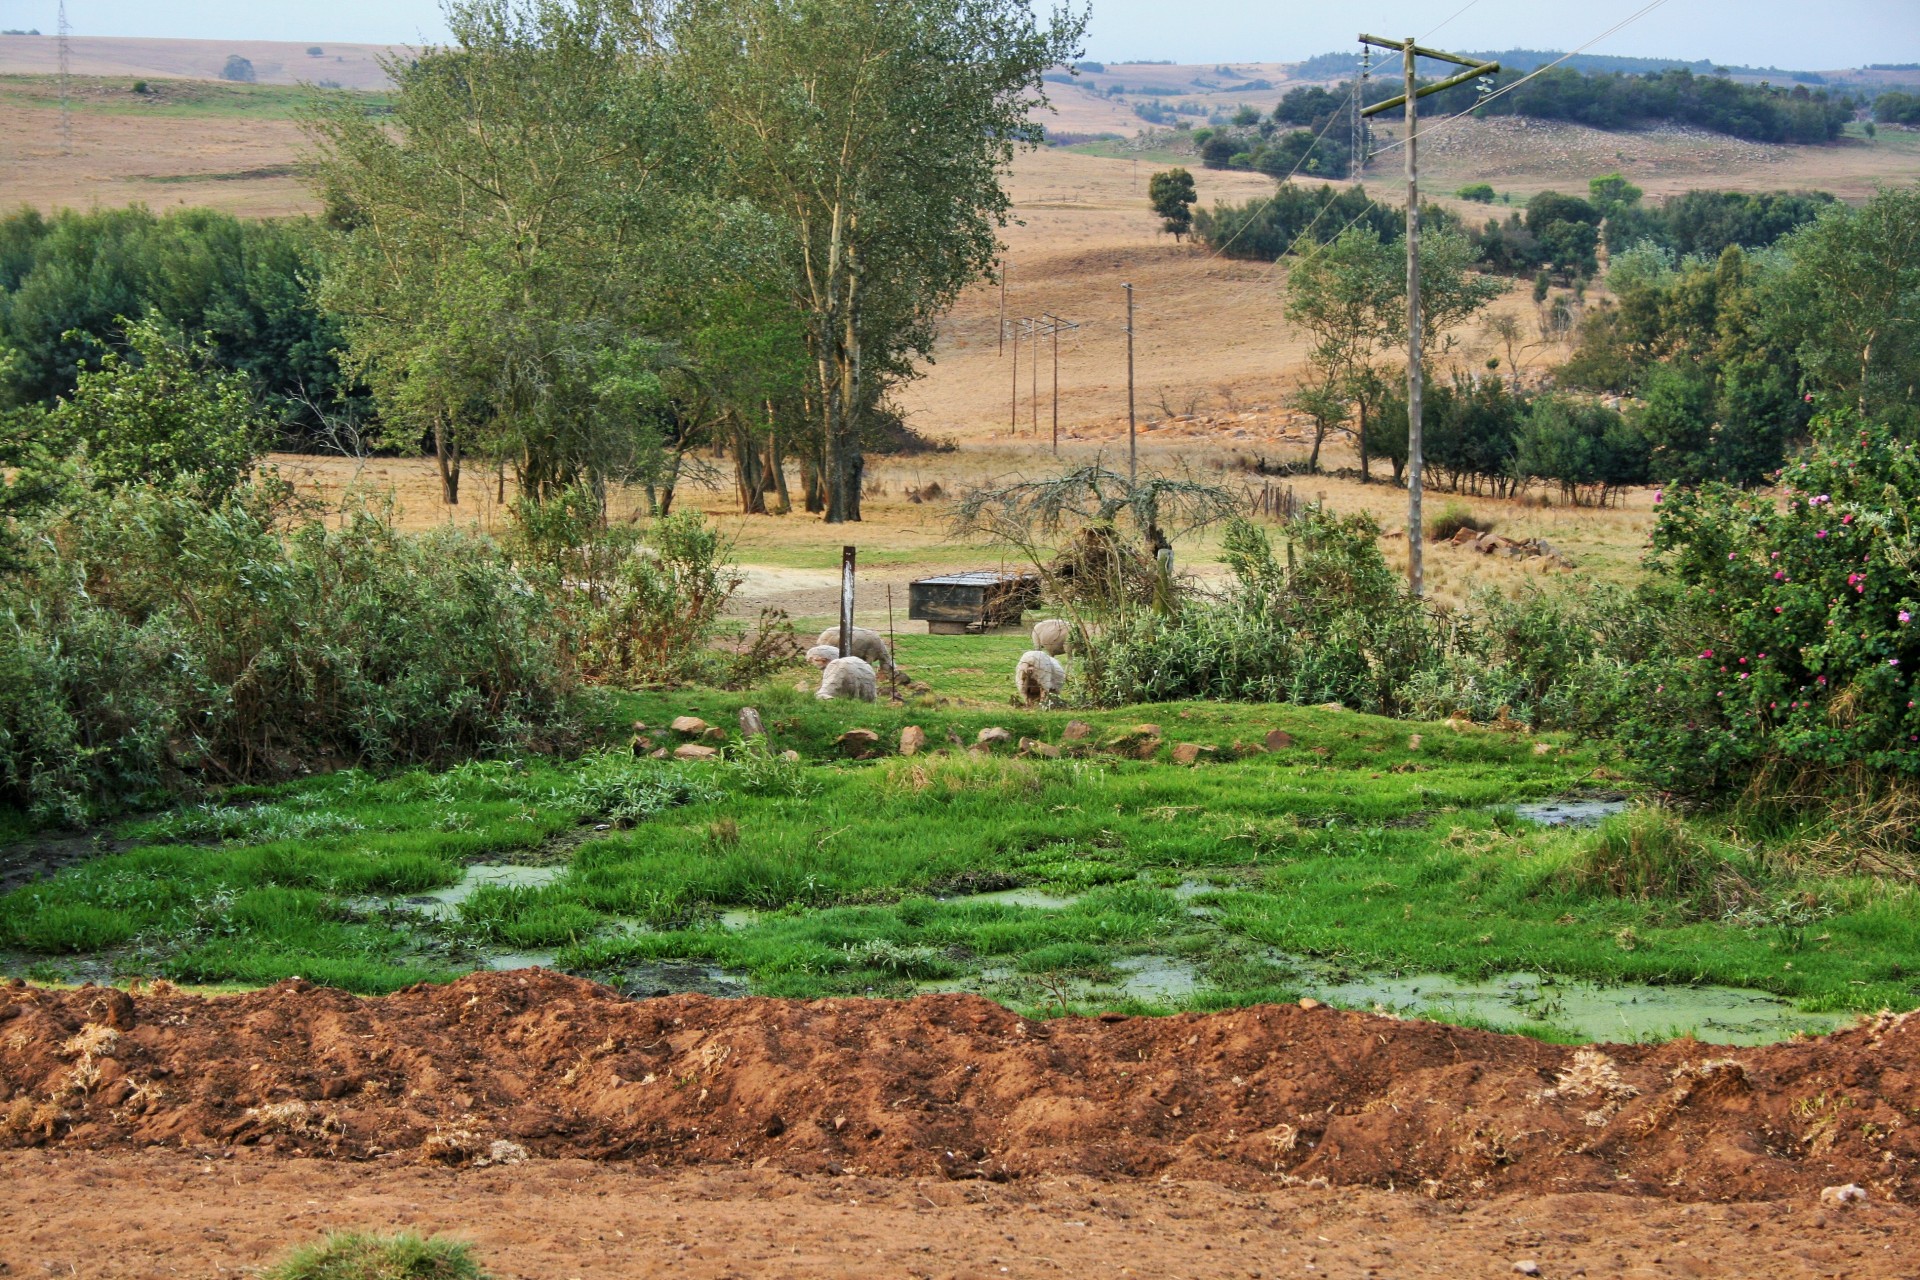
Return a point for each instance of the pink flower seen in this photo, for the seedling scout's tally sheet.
(1809, 397)
(1905, 617)
(1706, 653)
(1821, 534)
(1846, 519)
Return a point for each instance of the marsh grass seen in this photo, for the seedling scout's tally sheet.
(1355, 846)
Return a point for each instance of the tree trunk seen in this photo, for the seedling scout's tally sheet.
(844, 462)
(1319, 434)
(747, 473)
(1366, 474)
(447, 454)
(776, 468)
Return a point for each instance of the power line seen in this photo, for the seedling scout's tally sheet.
(1456, 13)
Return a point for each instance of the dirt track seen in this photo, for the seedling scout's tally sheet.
(954, 1087)
(163, 1214)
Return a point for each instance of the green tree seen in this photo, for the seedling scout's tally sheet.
(1172, 196)
(1349, 298)
(161, 414)
(508, 230)
(1849, 303)
(1610, 193)
(873, 134)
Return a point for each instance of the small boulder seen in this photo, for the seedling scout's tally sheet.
(1190, 752)
(659, 753)
(1842, 1195)
(1526, 1267)
(1034, 747)
(694, 751)
(1309, 1003)
(713, 733)
(1278, 740)
(750, 723)
(1077, 731)
(641, 744)
(913, 740)
(689, 726)
(1413, 742)
(992, 737)
(858, 744)
(790, 756)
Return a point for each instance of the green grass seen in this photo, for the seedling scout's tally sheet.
(365, 1257)
(1354, 847)
(1119, 149)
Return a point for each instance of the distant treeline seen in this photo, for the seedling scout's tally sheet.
(70, 286)
(1897, 107)
(1555, 232)
(1327, 66)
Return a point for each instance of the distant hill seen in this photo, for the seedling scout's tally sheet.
(349, 66)
(1330, 66)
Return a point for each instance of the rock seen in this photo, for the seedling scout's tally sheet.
(1190, 752)
(750, 724)
(690, 726)
(1278, 739)
(790, 755)
(694, 751)
(1309, 1003)
(639, 726)
(858, 744)
(641, 744)
(1413, 742)
(992, 737)
(1526, 1267)
(1463, 536)
(713, 733)
(1842, 1195)
(1034, 747)
(913, 740)
(1147, 730)
(1077, 731)
(658, 754)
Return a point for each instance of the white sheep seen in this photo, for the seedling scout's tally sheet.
(870, 645)
(821, 654)
(1039, 676)
(1052, 635)
(849, 678)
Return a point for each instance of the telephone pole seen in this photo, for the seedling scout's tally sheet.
(1132, 449)
(1003, 308)
(66, 68)
(1054, 325)
(1013, 406)
(1411, 53)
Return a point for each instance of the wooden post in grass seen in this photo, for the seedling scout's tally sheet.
(1410, 54)
(846, 600)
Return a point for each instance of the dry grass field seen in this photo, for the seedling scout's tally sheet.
(352, 66)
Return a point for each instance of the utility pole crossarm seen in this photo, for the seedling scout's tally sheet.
(1473, 72)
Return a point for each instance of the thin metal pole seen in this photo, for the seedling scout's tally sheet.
(1013, 409)
(1055, 322)
(1416, 576)
(1133, 452)
(1003, 308)
(846, 601)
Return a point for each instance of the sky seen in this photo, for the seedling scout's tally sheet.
(1793, 34)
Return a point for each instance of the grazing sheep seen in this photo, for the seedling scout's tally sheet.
(849, 678)
(1039, 676)
(821, 654)
(870, 645)
(1052, 635)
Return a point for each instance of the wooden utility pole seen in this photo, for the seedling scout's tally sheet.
(1411, 53)
(1013, 407)
(846, 600)
(1132, 448)
(1054, 325)
(1003, 308)
(1033, 374)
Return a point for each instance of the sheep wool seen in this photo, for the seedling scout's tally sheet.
(852, 679)
(1038, 676)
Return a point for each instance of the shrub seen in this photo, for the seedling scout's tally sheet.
(364, 1257)
(1478, 192)
(1452, 518)
(1802, 611)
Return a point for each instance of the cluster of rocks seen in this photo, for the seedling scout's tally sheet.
(692, 738)
(1493, 544)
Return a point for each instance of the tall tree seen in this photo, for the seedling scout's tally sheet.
(505, 235)
(876, 132)
(1172, 195)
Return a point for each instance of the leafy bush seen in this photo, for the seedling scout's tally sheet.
(150, 639)
(1803, 611)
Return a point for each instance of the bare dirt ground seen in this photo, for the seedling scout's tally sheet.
(568, 1132)
(163, 1213)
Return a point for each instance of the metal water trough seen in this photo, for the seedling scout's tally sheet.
(955, 604)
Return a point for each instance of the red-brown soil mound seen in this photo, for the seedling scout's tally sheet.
(496, 1066)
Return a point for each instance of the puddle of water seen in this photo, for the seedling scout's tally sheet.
(740, 918)
(1158, 979)
(504, 961)
(444, 904)
(1018, 898)
(675, 977)
(1567, 812)
(1717, 1015)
